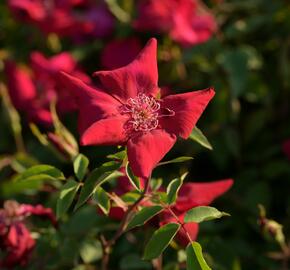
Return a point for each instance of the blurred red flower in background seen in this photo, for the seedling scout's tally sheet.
(286, 148)
(120, 52)
(125, 109)
(32, 90)
(16, 242)
(74, 18)
(188, 22)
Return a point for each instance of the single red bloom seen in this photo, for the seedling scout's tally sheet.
(120, 52)
(286, 148)
(125, 110)
(15, 239)
(187, 22)
(192, 195)
(32, 90)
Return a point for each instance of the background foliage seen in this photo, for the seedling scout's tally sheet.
(248, 64)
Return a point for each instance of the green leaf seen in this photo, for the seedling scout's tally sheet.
(155, 184)
(91, 251)
(135, 181)
(160, 240)
(176, 160)
(203, 213)
(144, 215)
(66, 196)
(195, 260)
(102, 199)
(97, 177)
(118, 156)
(198, 136)
(48, 170)
(173, 188)
(81, 163)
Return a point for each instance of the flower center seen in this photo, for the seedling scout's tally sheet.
(143, 111)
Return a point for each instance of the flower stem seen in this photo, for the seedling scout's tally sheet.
(107, 244)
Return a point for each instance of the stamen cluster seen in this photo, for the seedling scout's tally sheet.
(143, 112)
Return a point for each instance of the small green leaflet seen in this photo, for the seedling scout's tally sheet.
(66, 196)
(102, 200)
(47, 170)
(98, 176)
(118, 156)
(144, 215)
(176, 160)
(195, 260)
(81, 163)
(203, 213)
(198, 136)
(160, 240)
(172, 190)
(135, 181)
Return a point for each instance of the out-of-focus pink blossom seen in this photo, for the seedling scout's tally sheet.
(120, 52)
(77, 19)
(32, 90)
(286, 148)
(187, 22)
(16, 242)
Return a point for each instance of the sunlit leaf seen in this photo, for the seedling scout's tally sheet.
(197, 136)
(160, 240)
(144, 215)
(66, 196)
(97, 177)
(195, 260)
(203, 213)
(102, 200)
(135, 181)
(176, 160)
(81, 163)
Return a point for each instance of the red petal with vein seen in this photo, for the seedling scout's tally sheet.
(108, 131)
(196, 194)
(141, 75)
(93, 104)
(188, 107)
(147, 149)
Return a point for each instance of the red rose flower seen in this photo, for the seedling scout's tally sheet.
(191, 195)
(286, 148)
(120, 52)
(126, 110)
(15, 239)
(33, 90)
(186, 21)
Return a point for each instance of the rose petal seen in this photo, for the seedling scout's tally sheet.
(108, 131)
(141, 75)
(188, 107)
(93, 103)
(145, 150)
(195, 194)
